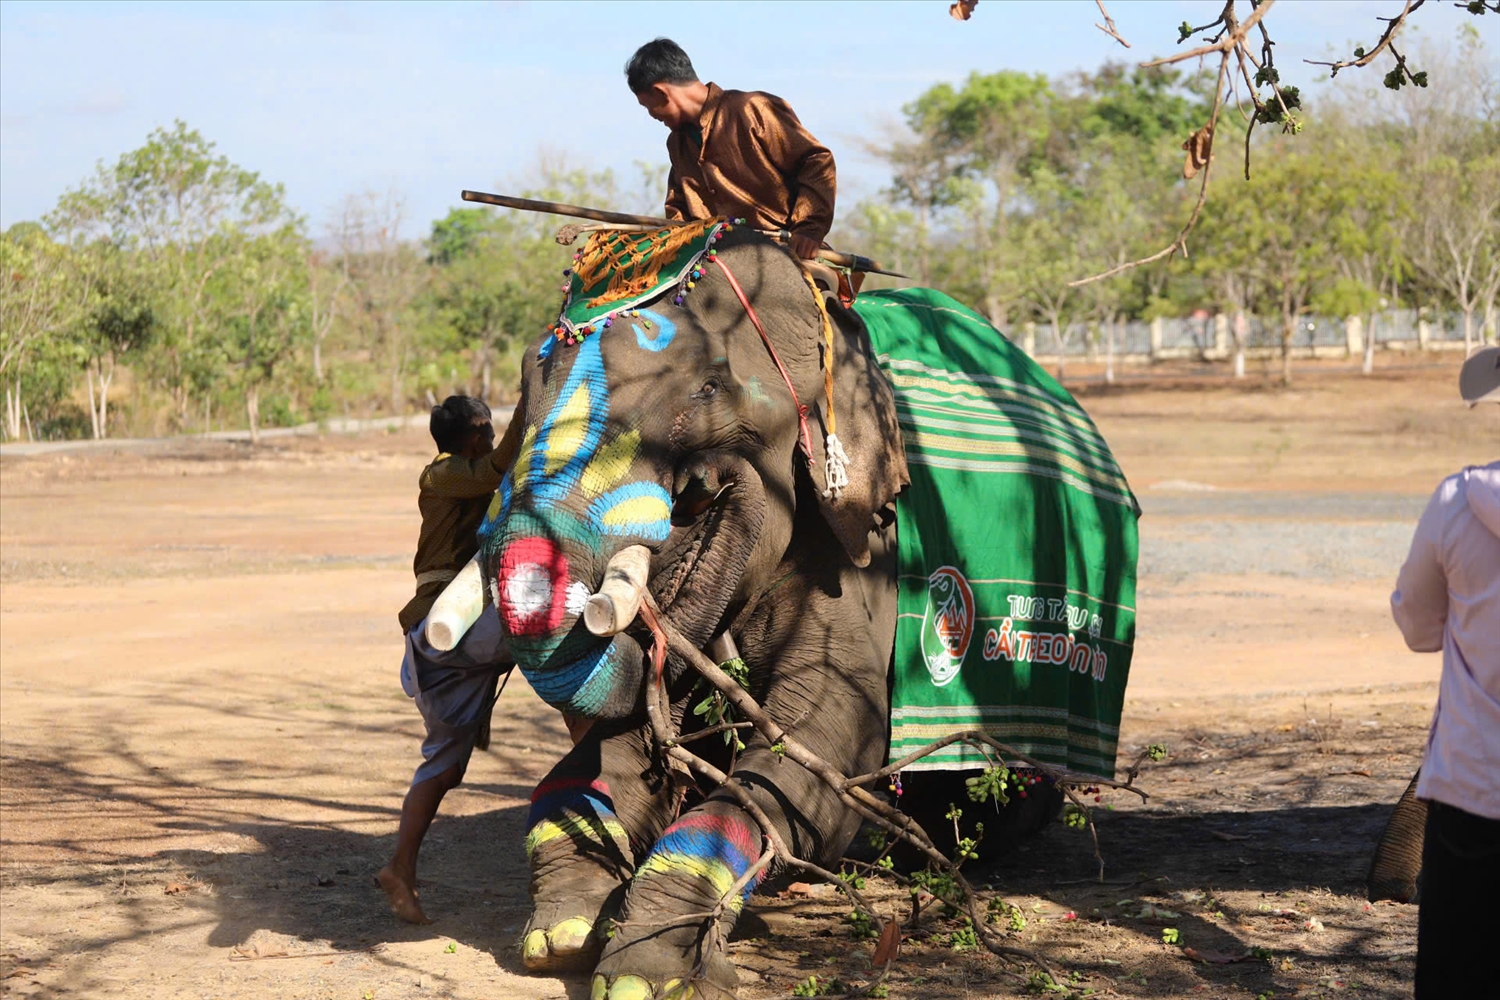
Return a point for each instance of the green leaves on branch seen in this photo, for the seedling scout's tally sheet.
(991, 783)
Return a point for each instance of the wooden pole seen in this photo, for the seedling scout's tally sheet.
(849, 260)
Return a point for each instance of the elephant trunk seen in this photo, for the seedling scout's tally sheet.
(1398, 856)
(721, 499)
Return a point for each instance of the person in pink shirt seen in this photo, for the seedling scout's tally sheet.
(1447, 598)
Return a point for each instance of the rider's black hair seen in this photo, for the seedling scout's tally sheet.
(454, 421)
(659, 61)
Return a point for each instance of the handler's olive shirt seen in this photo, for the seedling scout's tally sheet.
(749, 157)
(454, 495)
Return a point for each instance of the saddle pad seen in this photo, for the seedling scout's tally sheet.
(1017, 547)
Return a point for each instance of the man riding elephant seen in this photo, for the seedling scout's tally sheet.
(734, 153)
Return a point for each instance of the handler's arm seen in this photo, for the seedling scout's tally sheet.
(676, 204)
(459, 478)
(800, 157)
(1420, 601)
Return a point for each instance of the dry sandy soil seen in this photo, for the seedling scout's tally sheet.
(205, 744)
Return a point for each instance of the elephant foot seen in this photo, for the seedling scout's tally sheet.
(580, 861)
(662, 967)
(563, 937)
(663, 947)
(568, 945)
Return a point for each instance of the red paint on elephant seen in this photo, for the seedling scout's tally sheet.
(532, 585)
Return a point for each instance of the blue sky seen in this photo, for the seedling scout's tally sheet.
(426, 99)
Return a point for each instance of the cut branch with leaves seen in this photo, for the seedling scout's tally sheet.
(945, 882)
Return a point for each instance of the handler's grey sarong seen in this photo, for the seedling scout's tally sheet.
(453, 690)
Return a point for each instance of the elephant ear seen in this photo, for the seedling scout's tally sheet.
(864, 412)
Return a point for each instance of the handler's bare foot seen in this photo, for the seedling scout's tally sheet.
(402, 896)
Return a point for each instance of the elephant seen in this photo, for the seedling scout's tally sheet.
(1396, 868)
(681, 429)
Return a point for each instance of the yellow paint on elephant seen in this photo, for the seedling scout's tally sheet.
(568, 430)
(713, 871)
(611, 464)
(637, 510)
(591, 828)
(523, 460)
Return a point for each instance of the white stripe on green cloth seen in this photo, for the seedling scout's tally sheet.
(1004, 582)
(988, 421)
(964, 465)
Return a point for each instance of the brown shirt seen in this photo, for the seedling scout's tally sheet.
(454, 493)
(753, 160)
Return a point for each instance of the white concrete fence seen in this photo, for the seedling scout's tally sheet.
(1208, 338)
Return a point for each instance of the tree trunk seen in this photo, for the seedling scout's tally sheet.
(1062, 349)
(26, 415)
(318, 360)
(88, 377)
(996, 311)
(13, 412)
(1468, 330)
(252, 410)
(1240, 330)
(104, 398)
(1368, 364)
(1109, 352)
(1288, 331)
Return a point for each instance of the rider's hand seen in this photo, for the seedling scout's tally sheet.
(805, 247)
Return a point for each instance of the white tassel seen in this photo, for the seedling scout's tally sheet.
(836, 467)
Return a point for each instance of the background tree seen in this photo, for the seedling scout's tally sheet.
(44, 292)
(120, 324)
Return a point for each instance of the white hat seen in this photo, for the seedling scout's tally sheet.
(1479, 380)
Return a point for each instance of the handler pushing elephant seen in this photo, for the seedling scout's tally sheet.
(685, 406)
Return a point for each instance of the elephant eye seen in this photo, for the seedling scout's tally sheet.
(708, 390)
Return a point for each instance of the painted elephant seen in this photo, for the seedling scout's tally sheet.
(678, 429)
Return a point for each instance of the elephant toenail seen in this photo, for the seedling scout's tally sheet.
(535, 948)
(676, 989)
(570, 936)
(630, 988)
(599, 989)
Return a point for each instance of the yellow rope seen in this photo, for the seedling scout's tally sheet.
(828, 355)
(633, 261)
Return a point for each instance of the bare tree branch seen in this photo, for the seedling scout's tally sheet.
(1180, 243)
(1363, 58)
(1233, 34)
(1108, 27)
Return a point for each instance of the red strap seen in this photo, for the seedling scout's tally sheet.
(803, 432)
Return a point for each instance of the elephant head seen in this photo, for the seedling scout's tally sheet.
(673, 427)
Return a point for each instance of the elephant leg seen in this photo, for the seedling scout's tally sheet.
(1398, 855)
(584, 818)
(663, 945)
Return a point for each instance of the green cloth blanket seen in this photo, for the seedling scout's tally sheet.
(1017, 551)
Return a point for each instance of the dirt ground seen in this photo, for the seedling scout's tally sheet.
(205, 743)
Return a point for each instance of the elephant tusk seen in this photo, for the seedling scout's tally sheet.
(457, 608)
(619, 597)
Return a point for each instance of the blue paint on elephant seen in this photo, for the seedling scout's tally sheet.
(664, 331)
(579, 686)
(591, 408)
(498, 512)
(641, 509)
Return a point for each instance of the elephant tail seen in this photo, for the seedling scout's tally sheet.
(1398, 855)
